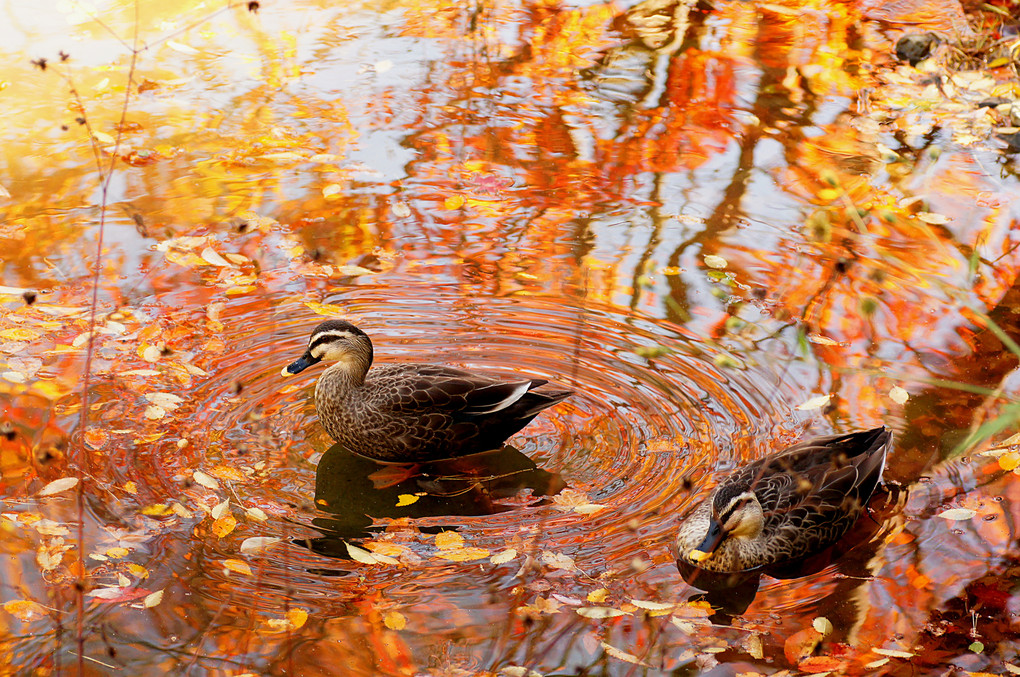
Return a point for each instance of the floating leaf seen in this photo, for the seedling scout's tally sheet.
(24, 609)
(227, 473)
(958, 514)
(394, 620)
(600, 612)
(257, 514)
(181, 47)
(224, 526)
(893, 653)
(210, 256)
(822, 625)
(153, 599)
(57, 486)
(898, 395)
(503, 557)
(366, 557)
(598, 596)
(622, 655)
(449, 540)
(407, 499)
(934, 219)
(221, 509)
(557, 560)
(331, 190)
(463, 554)
(814, 403)
(652, 606)
(205, 480)
(237, 566)
(715, 261)
(297, 617)
(257, 543)
(327, 309)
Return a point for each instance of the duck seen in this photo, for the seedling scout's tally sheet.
(784, 507)
(412, 412)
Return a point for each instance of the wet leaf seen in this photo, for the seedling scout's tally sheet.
(958, 514)
(332, 190)
(327, 309)
(557, 560)
(598, 612)
(407, 499)
(223, 526)
(622, 655)
(205, 480)
(394, 620)
(153, 599)
(714, 261)
(893, 653)
(227, 473)
(221, 509)
(898, 395)
(24, 610)
(237, 566)
(366, 557)
(598, 596)
(822, 625)
(257, 543)
(256, 514)
(448, 540)
(801, 645)
(297, 617)
(210, 256)
(503, 557)
(814, 403)
(58, 486)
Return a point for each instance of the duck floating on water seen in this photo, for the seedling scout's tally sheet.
(786, 506)
(413, 412)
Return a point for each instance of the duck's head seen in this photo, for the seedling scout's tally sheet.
(736, 514)
(335, 341)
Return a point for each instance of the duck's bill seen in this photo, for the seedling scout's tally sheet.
(299, 365)
(698, 555)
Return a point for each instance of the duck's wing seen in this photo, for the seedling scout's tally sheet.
(458, 392)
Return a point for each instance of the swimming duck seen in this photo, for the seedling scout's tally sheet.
(413, 412)
(786, 506)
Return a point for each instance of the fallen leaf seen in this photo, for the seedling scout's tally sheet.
(24, 609)
(449, 540)
(958, 514)
(407, 499)
(205, 480)
(153, 599)
(503, 557)
(297, 617)
(257, 543)
(715, 261)
(622, 655)
(600, 612)
(893, 653)
(224, 526)
(210, 256)
(394, 620)
(814, 403)
(57, 486)
(237, 566)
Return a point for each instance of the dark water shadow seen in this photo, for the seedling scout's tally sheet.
(730, 594)
(355, 491)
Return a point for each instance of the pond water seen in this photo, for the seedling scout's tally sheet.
(725, 227)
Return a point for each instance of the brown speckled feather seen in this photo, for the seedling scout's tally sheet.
(810, 495)
(413, 412)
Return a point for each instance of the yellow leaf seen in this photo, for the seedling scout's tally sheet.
(227, 473)
(407, 499)
(24, 609)
(256, 543)
(331, 190)
(102, 137)
(237, 566)
(117, 552)
(19, 334)
(598, 596)
(394, 620)
(157, 510)
(137, 570)
(224, 526)
(131, 487)
(449, 540)
(297, 617)
(599, 612)
(453, 202)
(327, 309)
(389, 549)
(463, 554)
(212, 257)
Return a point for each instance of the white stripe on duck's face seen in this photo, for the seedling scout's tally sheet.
(742, 517)
(332, 346)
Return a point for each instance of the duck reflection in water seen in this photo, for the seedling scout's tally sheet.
(786, 515)
(356, 491)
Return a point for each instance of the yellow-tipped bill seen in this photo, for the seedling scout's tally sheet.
(699, 555)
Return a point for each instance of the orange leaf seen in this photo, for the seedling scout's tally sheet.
(24, 609)
(237, 566)
(227, 473)
(801, 645)
(449, 540)
(224, 526)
